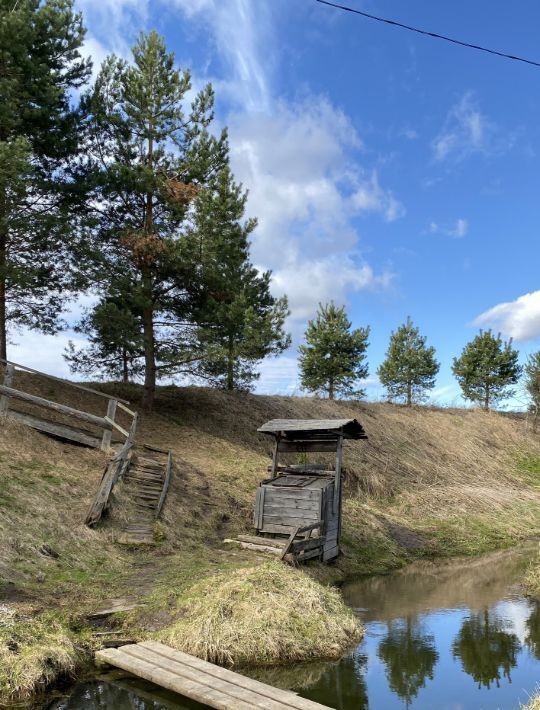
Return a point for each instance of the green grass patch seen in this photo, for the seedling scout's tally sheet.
(34, 652)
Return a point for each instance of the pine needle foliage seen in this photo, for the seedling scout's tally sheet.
(39, 139)
(239, 321)
(409, 369)
(487, 368)
(149, 150)
(333, 359)
(532, 380)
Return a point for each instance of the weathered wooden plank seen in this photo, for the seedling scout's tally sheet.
(255, 547)
(107, 433)
(289, 519)
(60, 408)
(166, 482)
(277, 529)
(8, 379)
(286, 507)
(329, 554)
(285, 696)
(75, 385)
(276, 493)
(149, 671)
(311, 543)
(229, 686)
(62, 430)
(259, 540)
(286, 447)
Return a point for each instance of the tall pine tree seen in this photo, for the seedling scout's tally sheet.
(40, 65)
(333, 360)
(149, 153)
(239, 321)
(409, 368)
(487, 368)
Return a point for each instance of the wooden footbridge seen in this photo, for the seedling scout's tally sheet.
(199, 680)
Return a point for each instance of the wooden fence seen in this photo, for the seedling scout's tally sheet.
(105, 424)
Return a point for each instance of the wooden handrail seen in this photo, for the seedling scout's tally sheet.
(101, 422)
(66, 382)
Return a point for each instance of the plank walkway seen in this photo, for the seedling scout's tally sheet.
(148, 478)
(201, 681)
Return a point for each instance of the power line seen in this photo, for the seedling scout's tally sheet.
(355, 11)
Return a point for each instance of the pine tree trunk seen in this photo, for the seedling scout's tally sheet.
(409, 394)
(148, 309)
(486, 399)
(230, 364)
(3, 262)
(331, 388)
(149, 346)
(125, 368)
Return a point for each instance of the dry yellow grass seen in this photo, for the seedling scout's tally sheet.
(262, 615)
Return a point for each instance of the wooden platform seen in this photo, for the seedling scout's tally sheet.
(201, 681)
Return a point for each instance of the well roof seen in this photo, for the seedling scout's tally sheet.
(314, 428)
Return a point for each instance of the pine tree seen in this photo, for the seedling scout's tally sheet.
(532, 381)
(333, 358)
(40, 66)
(113, 328)
(149, 155)
(240, 322)
(410, 368)
(487, 368)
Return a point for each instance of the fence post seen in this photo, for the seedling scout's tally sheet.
(107, 433)
(8, 379)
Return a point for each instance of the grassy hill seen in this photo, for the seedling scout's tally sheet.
(428, 482)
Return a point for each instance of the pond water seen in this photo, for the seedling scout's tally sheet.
(439, 636)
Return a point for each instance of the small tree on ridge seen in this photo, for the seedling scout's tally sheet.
(410, 367)
(333, 359)
(487, 368)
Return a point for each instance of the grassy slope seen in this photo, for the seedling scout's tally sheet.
(428, 482)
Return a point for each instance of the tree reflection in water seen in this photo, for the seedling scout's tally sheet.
(485, 648)
(409, 655)
(343, 686)
(533, 631)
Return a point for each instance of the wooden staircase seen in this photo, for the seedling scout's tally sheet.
(147, 480)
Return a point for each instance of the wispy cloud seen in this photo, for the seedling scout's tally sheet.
(466, 130)
(519, 319)
(457, 230)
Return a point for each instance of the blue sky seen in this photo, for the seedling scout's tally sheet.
(391, 172)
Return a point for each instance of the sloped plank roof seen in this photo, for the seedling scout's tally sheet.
(297, 428)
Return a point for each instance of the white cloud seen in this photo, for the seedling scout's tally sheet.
(278, 376)
(370, 197)
(465, 131)
(306, 189)
(241, 30)
(519, 319)
(457, 230)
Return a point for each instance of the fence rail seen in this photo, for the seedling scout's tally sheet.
(105, 423)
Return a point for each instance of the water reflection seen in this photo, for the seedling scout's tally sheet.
(532, 638)
(486, 649)
(344, 686)
(409, 655)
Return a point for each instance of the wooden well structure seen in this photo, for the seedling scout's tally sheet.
(299, 507)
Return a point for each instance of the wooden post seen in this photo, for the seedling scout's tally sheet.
(337, 484)
(107, 433)
(275, 456)
(8, 379)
